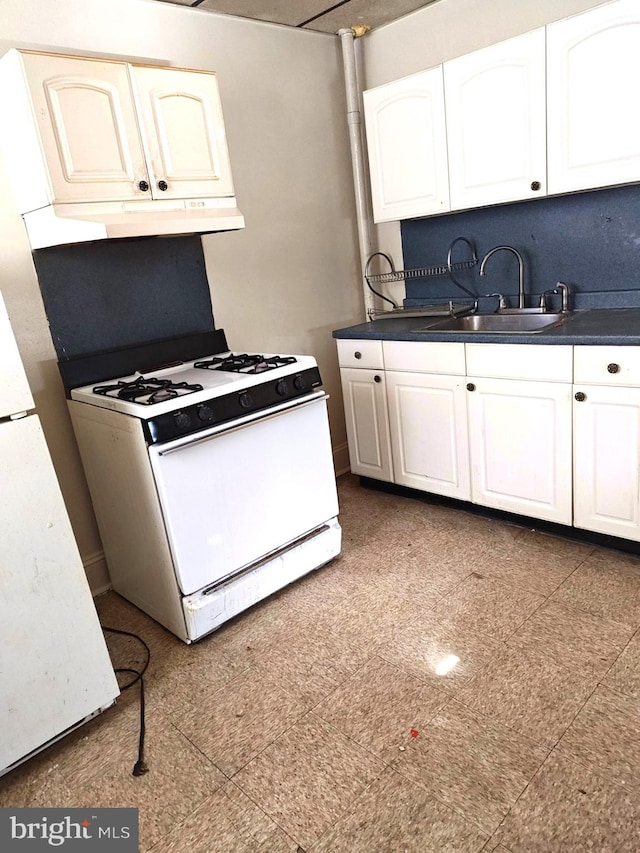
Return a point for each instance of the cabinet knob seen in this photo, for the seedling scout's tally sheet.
(535, 185)
(471, 386)
(580, 396)
(144, 186)
(613, 368)
(357, 354)
(377, 378)
(163, 186)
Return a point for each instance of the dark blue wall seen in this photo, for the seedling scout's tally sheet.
(112, 294)
(589, 240)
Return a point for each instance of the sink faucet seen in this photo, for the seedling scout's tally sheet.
(521, 300)
(564, 289)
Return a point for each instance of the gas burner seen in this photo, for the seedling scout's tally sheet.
(246, 363)
(147, 391)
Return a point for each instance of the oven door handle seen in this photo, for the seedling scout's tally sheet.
(238, 424)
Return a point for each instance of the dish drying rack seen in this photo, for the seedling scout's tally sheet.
(448, 308)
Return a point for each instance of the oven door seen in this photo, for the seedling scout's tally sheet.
(233, 494)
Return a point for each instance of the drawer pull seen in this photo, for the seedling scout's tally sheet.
(357, 354)
(613, 368)
(471, 386)
(580, 396)
(377, 378)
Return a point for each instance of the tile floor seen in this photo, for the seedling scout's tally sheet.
(450, 683)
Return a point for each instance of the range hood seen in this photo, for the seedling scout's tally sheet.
(59, 224)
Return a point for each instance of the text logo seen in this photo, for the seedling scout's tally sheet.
(101, 830)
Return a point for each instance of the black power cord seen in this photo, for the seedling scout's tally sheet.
(140, 767)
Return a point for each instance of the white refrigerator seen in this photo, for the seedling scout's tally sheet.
(55, 671)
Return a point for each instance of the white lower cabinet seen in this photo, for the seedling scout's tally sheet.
(367, 422)
(428, 426)
(606, 439)
(548, 432)
(520, 428)
(606, 425)
(520, 446)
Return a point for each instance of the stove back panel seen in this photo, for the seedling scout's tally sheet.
(122, 293)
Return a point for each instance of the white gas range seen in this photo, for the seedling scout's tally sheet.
(211, 475)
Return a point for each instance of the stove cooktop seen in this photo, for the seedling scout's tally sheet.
(145, 391)
(180, 398)
(246, 362)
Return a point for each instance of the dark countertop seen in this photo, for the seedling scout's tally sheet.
(597, 327)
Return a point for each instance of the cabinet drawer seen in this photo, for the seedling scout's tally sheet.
(520, 361)
(607, 365)
(422, 357)
(358, 353)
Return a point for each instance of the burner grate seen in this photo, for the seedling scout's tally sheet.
(246, 363)
(147, 391)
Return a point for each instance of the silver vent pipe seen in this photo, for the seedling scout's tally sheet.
(354, 120)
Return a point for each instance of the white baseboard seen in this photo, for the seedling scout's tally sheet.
(341, 461)
(95, 568)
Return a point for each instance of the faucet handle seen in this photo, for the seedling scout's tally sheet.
(543, 298)
(502, 301)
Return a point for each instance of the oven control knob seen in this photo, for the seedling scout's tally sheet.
(245, 400)
(300, 383)
(205, 413)
(183, 420)
(282, 387)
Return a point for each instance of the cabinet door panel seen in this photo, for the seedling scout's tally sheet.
(88, 127)
(407, 147)
(495, 105)
(428, 424)
(520, 447)
(367, 422)
(593, 127)
(607, 461)
(182, 123)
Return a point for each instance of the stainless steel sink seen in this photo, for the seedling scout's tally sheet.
(497, 323)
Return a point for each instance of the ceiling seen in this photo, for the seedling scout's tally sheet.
(328, 16)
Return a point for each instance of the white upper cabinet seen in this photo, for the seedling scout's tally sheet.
(495, 113)
(545, 113)
(86, 130)
(183, 130)
(406, 139)
(593, 123)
